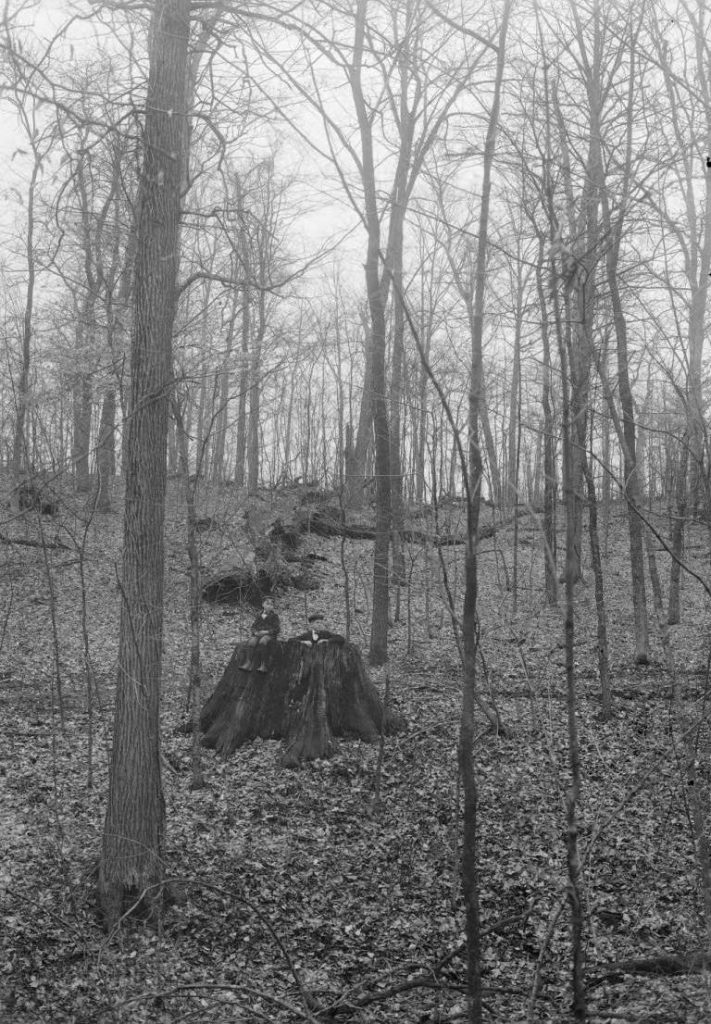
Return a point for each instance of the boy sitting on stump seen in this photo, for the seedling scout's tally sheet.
(316, 634)
(265, 627)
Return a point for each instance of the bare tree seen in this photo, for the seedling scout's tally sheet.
(131, 866)
(399, 117)
(613, 225)
(39, 136)
(684, 64)
(467, 767)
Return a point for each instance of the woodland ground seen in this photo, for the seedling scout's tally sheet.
(284, 874)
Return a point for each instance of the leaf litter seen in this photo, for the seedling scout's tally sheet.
(325, 894)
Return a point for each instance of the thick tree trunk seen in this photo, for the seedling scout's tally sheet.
(357, 449)
(699, 274)
(131, 866)
(306, 696)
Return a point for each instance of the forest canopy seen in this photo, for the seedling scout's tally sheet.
(602, 106)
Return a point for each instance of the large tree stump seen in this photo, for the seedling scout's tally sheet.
(307, 697)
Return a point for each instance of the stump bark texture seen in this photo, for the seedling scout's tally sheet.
(307, 697)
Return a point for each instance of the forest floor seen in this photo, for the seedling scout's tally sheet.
(331, 893)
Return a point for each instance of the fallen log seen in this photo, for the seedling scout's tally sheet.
(664, 964)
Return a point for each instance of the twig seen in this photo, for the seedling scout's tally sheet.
(305, 996)
(221, 987)
(427, 977)
(26, 542)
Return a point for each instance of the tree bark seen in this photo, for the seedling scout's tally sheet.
(131, 866)
(603, 661)
(376, 306)
(245, 338)
(467, 764)
(81, 430)
(550, 481)
(306, 696)
(396, 471)
(572, 799)
(633, 486)
(194, 593)
(357, 449)
(677, 536)
(255, 396)
(19, 445)
(224, 377)
(105, 451)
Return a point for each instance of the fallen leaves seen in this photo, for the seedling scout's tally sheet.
(297, 894)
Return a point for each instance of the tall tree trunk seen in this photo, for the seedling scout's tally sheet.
(550, 480)
(241, 438)
(422, 417)
(572, 800)
(513, 438)
(194, 594)
(203, 410)
(467, 763)
(105, 451)
(255, 396)
(603, 661)
(579, 299)
(574, 377)
(131, 865)
(379, 624)
(19, 443)
(578, 263)
(81, 432)
(490, 445)
(357, 449)
(677, 537)
(378, 652)
(689, 96)
(398, 358)
(245, 259)
(222, 390)
(633, 486)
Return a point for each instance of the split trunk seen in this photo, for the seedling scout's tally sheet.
(305, 696)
